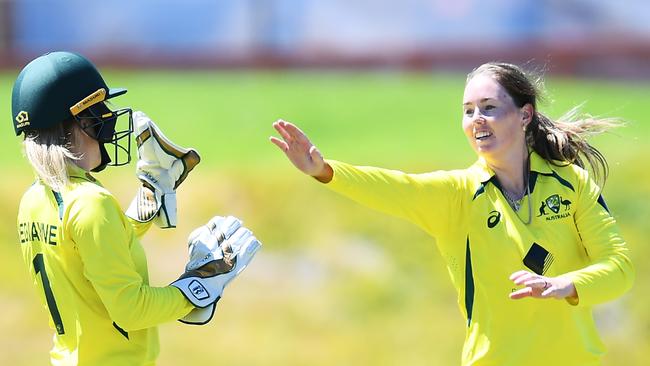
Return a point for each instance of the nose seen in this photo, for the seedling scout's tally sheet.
(477, 118)
(476, 113)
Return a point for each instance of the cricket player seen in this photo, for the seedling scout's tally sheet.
(527, 238)
(81, 250)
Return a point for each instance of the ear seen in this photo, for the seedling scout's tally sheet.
(527, 112)
(83, 125)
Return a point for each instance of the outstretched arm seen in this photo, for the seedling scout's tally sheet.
(424, 199)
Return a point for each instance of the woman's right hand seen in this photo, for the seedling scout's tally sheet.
(301, 152)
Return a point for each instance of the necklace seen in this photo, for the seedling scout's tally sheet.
(516, 204)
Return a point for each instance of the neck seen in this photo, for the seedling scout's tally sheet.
(83, 160)
(84, 164)
(511, 173)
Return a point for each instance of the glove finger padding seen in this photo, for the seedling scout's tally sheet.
(203, 243)
(162, 166)
(205, 285)
(145, 206)
(229, 254)
(179, 161)
(224, 227)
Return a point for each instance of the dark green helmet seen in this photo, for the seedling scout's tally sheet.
(54, 88)
(62, 86)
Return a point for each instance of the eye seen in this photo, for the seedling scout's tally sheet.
(489, 107)
(469, 112)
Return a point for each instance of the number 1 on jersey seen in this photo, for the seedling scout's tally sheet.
(39, 267)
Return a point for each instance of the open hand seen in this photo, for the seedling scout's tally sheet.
(300, 151)
(542, 287)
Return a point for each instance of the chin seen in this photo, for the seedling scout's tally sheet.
(485, 148)
(487, 152)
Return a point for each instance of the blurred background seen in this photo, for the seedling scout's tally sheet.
(372, 83)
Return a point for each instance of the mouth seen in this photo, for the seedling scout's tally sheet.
(482, 135)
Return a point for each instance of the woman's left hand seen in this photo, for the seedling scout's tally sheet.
(542, 287)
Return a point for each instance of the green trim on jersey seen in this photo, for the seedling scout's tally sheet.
(91, 274)
(483, 241)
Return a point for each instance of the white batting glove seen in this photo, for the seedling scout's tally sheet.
(162, 166)
(219, 252)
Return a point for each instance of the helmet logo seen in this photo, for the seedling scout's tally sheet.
(92, 99)
(22, 119)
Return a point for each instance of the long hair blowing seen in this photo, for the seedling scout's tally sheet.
(562, 141)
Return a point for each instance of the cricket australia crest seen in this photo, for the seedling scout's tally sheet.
(555, 203)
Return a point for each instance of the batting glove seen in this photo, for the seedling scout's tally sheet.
(219, 252)
(162, 166)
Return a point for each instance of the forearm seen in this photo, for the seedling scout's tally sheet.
(138, 307)
(380, 189)
(609, 272)
(603, 280)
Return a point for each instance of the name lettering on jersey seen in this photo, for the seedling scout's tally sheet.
(554, 203)
(38, 231)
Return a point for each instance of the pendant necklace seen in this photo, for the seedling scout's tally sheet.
(516, 204)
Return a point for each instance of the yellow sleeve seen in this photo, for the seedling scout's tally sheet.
(429, 200)
(99, 229)
(139, 228)
(611, 272)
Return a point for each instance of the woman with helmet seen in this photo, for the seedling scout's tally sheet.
(498, 250)
(82, 251)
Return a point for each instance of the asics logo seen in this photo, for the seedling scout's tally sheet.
(493, 219)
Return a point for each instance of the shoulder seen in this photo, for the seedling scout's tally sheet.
(569, 180)
(33, 197)
(552, 172)
(88, 198)
(568, 173)
(35, 189)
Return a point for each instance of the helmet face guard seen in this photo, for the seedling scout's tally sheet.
(107, 127)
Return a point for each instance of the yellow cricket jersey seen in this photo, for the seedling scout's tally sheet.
(91, 273)
(483, 241)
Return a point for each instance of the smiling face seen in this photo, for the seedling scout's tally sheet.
(492, 122)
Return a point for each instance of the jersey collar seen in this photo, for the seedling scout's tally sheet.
(75, 171)
(537, 164)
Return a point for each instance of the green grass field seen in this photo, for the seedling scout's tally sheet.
(335, 284)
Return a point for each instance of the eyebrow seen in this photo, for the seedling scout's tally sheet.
(480, 101)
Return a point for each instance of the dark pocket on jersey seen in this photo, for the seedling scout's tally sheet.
(538, 259)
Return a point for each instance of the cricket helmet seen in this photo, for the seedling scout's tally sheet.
(62, 86)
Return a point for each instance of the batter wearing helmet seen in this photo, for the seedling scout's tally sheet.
(82, 251)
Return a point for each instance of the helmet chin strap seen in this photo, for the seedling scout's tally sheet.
(106, 159)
